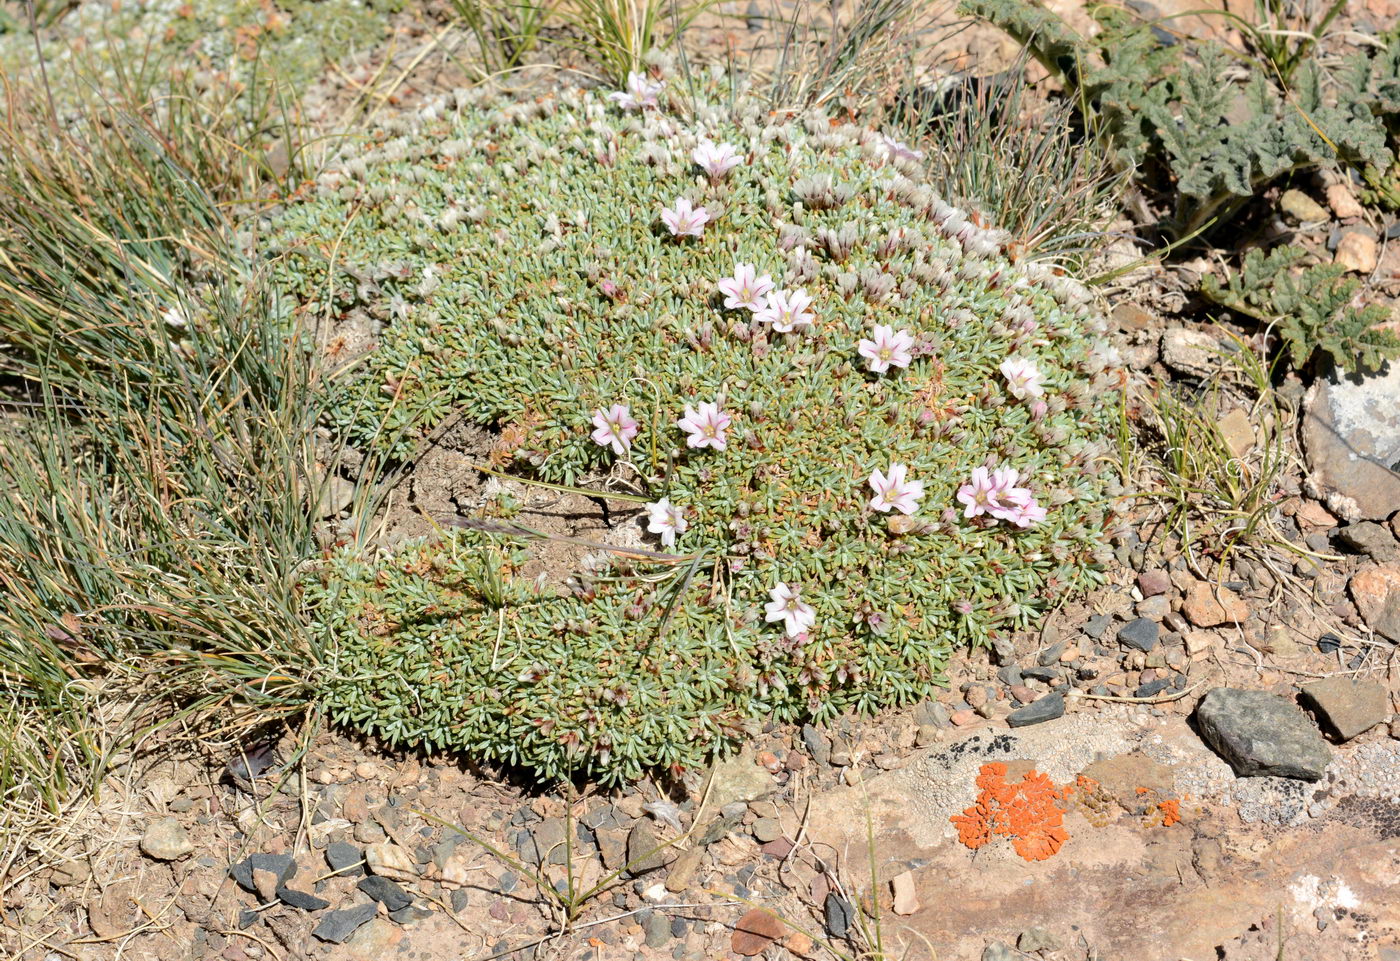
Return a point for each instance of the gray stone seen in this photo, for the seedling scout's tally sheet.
(996, 951)
(410, 914)
(1046, 708)
(642, 849)
(1345, 707)
(549, 841)
(926, 712)
(301, 900)
(767, 829)
(1370, 538)
(337, 926)
(1153, 688)
(345, 859)
(1095, 626)
(1139, 633)
(658, 931)
(166, 839)
(612, 847)
(838, 914)
(1351, 433)
(818, 744)
(1037, 939)
(1261, 734)
(386, 892)
(1154, 608)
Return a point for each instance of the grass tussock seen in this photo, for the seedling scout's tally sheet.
(157, 489)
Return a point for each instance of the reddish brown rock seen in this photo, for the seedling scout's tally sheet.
(1154, 582)
(1207, 605)
(962, 718)
(1376, 593)
(754, 932)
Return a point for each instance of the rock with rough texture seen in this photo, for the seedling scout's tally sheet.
(755, 931)
(386, 892)
(1207, 605)
(839, 914)
(906, 899)
(337, 926)
(1345, 707)
(1236, 431)
(1262, 734)
(1357, 251)
(1153, 582)
(1047, 708)
(345, 859)
(1351, 434)
(739, 779)
(391, 861)
(1301, 207)
(644, 851)
(1190, 351)
(1037, 939)
(301, 899)
(1376, 592)
(166, 840)
(1140, 634)
(996, 951)
(1369, 538)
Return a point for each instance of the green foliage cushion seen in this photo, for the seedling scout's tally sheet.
(519, 261)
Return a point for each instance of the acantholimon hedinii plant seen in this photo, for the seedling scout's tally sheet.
(862, 432)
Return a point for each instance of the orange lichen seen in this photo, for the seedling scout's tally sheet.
(1028, 813)
(1171, 811)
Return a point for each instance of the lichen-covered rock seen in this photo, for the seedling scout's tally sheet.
(826, 381)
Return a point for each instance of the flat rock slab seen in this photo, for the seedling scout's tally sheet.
(1262, 734)
(1346, 707)
(1351, 433)
(1127, 886)
(1376, 592)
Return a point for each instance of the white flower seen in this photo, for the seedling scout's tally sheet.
(895, 490)
(666, 519)
(787, 310)
(786, 606)
(746, 288)
(683, 220)
(1023, 377)
(640, 93)
(888, 347)
(716, 160)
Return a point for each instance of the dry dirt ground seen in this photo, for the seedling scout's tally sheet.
(1168, 855)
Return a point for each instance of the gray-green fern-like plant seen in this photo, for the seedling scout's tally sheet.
(1311, 308)
(1217, 127)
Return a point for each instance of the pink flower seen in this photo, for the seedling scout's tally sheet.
(997, 494)
(787, 310)
(684, 220)
(895, 491)
(1023, 377)
(706, 426)
(895, 149)
(787, 607)
(616, 428)
(977, 493)
(716, 160)
(888, 347)
(745, 288)
(640, 93)
(666, 519)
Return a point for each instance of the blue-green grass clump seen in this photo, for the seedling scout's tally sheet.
(245, 41)
(517, 260)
